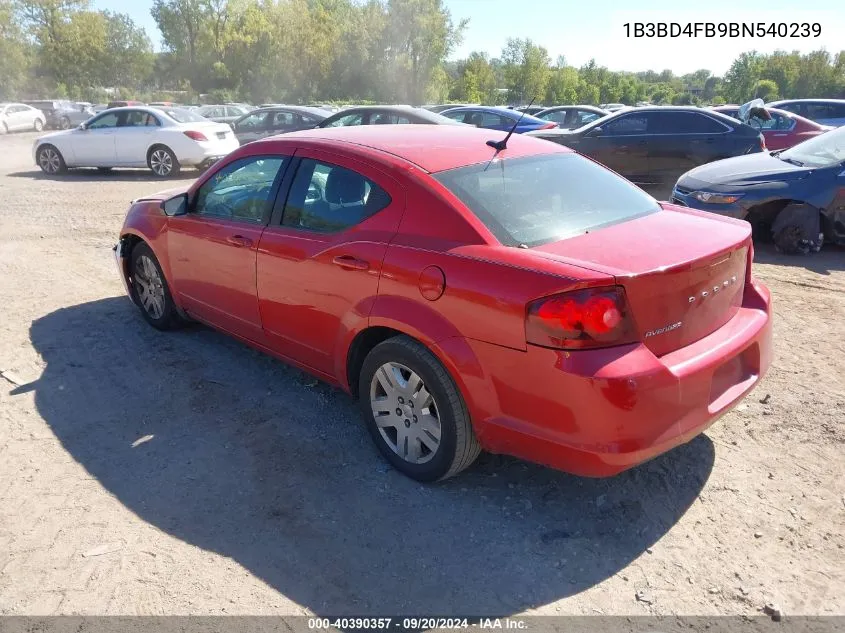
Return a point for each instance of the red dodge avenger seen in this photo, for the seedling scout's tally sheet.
(513, 297)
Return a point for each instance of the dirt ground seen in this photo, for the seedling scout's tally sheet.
(183, 473)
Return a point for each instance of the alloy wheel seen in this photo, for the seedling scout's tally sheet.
(405, 413)
(149, 287)
(161, 162)
(49, 160)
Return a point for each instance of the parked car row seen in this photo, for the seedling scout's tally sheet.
(18, 117)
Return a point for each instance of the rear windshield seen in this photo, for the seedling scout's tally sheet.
(183, 116)
(538, 199)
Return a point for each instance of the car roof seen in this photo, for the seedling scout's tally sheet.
(779, 101)
(432, 148)
(293, 108)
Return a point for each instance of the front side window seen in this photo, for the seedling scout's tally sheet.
(538, 199)
(241, 190)
(329, 198)
(349, 119)
(627, 125)
(104, 121)
(384, 118)
(255, 121)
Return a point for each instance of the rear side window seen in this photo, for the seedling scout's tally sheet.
(539, 199)
(627, 125)
(684, 123)
(328, 198)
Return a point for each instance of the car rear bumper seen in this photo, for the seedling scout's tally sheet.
(597, 413)
(205, 154)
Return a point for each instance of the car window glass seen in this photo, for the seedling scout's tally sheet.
(105, 121)
(627, 125)
(135, 118)
(254, 121)
(457, 116)
(585, 116)
(558, 116)
(819, 111)
(383, 118)
(328, 198)
(488, 119)
(241, 190)
(282, 120)
(837, 110)
(349, 119)
(537, 199)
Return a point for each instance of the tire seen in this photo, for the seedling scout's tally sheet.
(50, 160)
(4, 129)
(150, 290)
(38, 125)
(394, 361)
(64, 123)
(163, 162)
(797, 230)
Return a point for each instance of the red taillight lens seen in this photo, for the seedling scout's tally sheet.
(548, 126)
(197, 136)
(589, 318)
(749, 262)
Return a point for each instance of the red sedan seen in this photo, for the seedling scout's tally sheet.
(523, 300)
(784, 130)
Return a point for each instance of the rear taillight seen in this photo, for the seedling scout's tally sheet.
(762, 142)
(197, 136)
(748, 263)
(589, 318)
(548, 126)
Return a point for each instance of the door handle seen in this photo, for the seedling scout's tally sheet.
(239, 241)
(350, 263)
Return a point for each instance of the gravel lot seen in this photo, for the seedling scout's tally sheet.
(183, 473)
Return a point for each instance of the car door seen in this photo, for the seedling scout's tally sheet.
(680, 141)
(320, 259)
(621, 144)
(779, 131)
(95, 146)
(213, 246)
(24, 117)
(252, 127)
(136, 131)
(16, 118)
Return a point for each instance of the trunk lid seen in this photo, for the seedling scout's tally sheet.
(683, 271)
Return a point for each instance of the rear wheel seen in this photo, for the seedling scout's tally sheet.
(50, 160)
(414, 411)
(4, 129)
(150, 290)
(163, 162)
(38, 125)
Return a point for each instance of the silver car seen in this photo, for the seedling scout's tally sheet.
(16, 117)
(222, 113)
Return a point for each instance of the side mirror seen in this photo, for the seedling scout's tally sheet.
(178, 205)
(82, 126)
(596, 131)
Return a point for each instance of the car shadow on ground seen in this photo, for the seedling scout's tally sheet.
(115, 175)
(830, 258)
(234, 452)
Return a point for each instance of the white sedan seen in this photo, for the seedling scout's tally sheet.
(163, 139)
(15, 117)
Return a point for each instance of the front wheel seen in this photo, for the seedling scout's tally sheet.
(163, 162)
(38, 125)
(150, 290)
(414, 411)
(50, 160)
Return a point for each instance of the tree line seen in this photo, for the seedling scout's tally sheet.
(302, 51)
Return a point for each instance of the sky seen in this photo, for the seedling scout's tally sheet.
(580, 30)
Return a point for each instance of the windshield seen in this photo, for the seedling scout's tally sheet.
(539, 199)
(181, 115)
(824, 150)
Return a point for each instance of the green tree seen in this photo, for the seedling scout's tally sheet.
(742, 77)
(527, 70)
